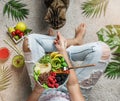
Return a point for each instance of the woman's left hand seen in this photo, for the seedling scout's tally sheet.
(60, 42)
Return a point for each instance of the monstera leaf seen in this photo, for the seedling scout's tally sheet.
(94, 8)
(5, 76)
(16, 10)
(113, 69)
(111, 35)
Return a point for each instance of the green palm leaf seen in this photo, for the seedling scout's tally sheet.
(111, 35)
(5, 76)
(113, 70)
(94, 8)
(16, 10)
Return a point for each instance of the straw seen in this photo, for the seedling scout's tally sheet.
(13, 47)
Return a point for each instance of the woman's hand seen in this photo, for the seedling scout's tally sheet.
(61, 45)
(60, 42)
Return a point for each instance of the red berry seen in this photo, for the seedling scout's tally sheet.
(49, 84)
(13, 33)
(53, 77)
(55, 80)
(50, 78)
(51, 81)
(52, 86)
(17, 31)
(53, 73)
(56, 85)
(21, 34)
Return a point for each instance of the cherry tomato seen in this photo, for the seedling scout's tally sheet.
(17, 31)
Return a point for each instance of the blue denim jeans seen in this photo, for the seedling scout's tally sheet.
(90, 53)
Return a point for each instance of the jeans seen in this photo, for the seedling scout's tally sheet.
(90, 53)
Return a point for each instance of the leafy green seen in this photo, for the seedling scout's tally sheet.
(111, 35)
(45, 86)
(45, 59)
(16, 10)
(36, 76)
(94, 8)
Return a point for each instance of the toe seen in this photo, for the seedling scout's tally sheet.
(51, 32)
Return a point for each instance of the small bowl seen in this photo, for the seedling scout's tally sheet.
(4, 54)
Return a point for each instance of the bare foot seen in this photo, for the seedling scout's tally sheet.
(80, 33)
(51, 32)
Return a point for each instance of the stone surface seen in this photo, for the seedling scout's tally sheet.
(19, 89)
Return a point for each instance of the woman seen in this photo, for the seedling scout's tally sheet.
(35, 46)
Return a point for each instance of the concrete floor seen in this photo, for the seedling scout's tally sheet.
(19, 89)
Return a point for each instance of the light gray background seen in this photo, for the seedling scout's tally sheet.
(105, 89)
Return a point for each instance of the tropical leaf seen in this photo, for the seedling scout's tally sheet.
(111, 36)
(16, 10)
(5, 76)
(113, 70)
(116, 57)
(94, 8)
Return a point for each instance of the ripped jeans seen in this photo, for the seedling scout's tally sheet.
(91, 53)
